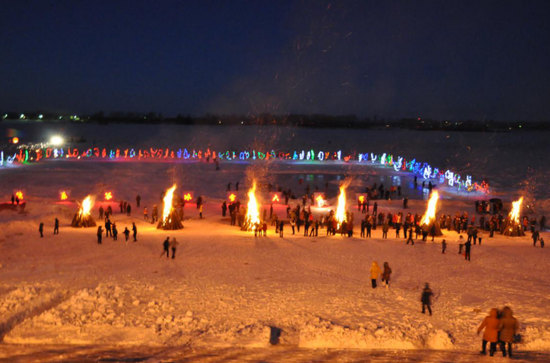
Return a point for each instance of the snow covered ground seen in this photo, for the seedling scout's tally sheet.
(228, 290)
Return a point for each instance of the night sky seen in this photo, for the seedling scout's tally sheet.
(439, 59)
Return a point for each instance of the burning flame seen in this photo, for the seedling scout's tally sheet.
(86, 207)
(187, 197)
(108, 195)
(341, 208)
(64, 196)
(168, 204)
(275, 198)
(320, 201)
(232, 197)
(516, 210)
(19, 195)
(429, 216)
(253, 211)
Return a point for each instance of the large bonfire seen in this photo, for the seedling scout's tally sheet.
(341, 215)
(252, 210)
(512, 226)
(429, 219)
(83, 218)
(170, 219)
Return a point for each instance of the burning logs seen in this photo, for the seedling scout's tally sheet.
(82, 218)
(512, 225)
(429, 221)
(170, 218)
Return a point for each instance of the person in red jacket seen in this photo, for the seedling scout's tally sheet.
(490, 323)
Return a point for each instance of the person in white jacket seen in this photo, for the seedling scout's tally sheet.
(174, 245)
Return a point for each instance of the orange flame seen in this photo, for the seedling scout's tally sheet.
(187, 197)
(429, 216)
(19, 195)
(516, 210)
(86, 207)
(168, 204)
(320, 201)
(108, 195)
(341, 208)
(64, 195)
(253, 211)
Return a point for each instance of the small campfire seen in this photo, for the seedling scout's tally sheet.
(170, 218)
(83, 218)
(512, 226)
(429, 219)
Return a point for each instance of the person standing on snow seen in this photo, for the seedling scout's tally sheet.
(108, 228)
(535, 236)
(166, 247)
(281, 227)
(138, 200)
(490, 324)
(174, 245)
(126, 234)
(426, 299)
(56, 226)
(224, 208)
(134, 229)
(374, 272)
(468, 247)
(508, 327)
(115, 232)
(145, 214)
(41, 229)
(443, 246)
(99, 234)
(128, 210)
(386, 274)
(101, 211)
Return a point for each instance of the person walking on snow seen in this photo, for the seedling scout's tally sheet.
(115, 232)
(443, 246)
(468, 247)
(374, 272)
(166, 247)
(426, 299)
(41, 229)
(386, 274)
(126, 234)
(145, 214)
(535, 236)
(174, 245)
(56, 226)
(508, 327)
(99, 234)
(490, 324)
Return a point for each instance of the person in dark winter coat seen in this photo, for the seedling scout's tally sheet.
(99, 234)
(535, 236)
(467, 248)
(426, 299)
(126, 233)
(101, 211)
(41, 229)
(224, 208)
(128, 210)
(443, 246)
(166, 247)
(56, 226)
(108, 228)
(386, 274)
(410, 239)
(138, 200)
(281, 227)
(115, 232)
(508, 328)
(134, 229)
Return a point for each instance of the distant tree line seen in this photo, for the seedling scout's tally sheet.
(297, 120)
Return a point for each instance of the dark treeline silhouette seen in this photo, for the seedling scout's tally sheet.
(298, 120)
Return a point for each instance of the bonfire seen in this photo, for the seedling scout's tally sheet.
(252, 210)
(341, 208)
(83, 218)
(170, 219)
(429, 219)
(512, 226)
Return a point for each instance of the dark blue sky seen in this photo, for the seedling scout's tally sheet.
(441, 59)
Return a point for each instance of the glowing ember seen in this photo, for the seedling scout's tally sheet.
(108, 195)
(86, 207)
(64, 196)
(168, 205)
(341, 208)
(429, 216)
(320, 201)
(187, 197)
(232, 198)
(19, 195)
(275, 198)
(253, 210)
(516, 210)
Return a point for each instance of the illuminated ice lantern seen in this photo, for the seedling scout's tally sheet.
(320, 199)
(276, 197)
(232, 197)
(188, 196)
(108, 196)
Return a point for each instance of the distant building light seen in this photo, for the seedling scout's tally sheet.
(40, 116)
(56, 140)
(22, 116)
(60, 117)
(15, 140)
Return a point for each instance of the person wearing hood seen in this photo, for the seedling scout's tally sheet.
(508, 328)
(490, 324)
(374, 272)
